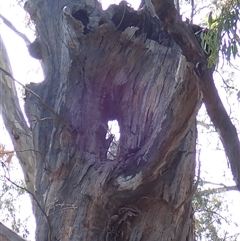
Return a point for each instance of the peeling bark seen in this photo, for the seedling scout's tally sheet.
(120, 65)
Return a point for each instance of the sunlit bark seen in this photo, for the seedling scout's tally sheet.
(14, 120)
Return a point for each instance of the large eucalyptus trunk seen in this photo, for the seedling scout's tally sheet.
(117, 64)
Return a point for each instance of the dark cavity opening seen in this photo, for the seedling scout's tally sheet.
(149, 26)
(82, 16)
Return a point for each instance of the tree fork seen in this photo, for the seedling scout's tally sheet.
(183, 36)
(100, 66)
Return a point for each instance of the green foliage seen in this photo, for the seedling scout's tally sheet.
(10, 195)
(9, 207)
(223, 34)
(211, 224)
(210, 44)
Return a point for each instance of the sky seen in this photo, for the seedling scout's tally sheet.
(27, 69)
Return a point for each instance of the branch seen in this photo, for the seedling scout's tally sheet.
(10, 25)
(38, 204)
(205, 125)
(218, 190)
(191, 49)
(14, 121)
(223, 124)
(181, 33)
(222, 188)
(7, 234)
(33, 93)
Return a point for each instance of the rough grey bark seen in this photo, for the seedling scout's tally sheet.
(100, 66)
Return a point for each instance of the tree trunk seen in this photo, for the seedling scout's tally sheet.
(99, 66)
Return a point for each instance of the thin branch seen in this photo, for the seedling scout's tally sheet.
(191, 49)
(218, 190)
(33, 93)
(208, 210)
(37, 202)
(225, 82)
(123, 15)
(232, 236)
(11, 26)
(217, 184)
(204, 124)
(192, 11)
(222, 188)
(7, 234)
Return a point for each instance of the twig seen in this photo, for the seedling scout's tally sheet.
(124, 11)
(10, 25)
(225, 82)
(33, 93)
(192, 11)
(37, 202)
(218, 190)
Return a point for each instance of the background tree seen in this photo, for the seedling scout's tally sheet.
(100, 66)
(212, 218)
(10, 194)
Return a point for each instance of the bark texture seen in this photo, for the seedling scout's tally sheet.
(119, 65)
